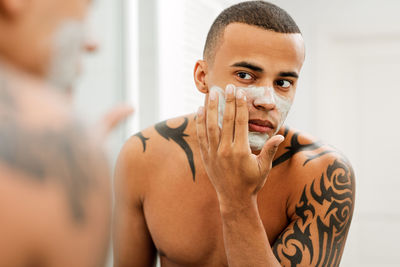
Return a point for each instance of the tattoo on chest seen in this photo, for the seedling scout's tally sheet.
(295, 147)
(318, 238)
(46, 154)
(177, 135)
(143, 139)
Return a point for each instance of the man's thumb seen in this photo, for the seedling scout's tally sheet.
(268, 152)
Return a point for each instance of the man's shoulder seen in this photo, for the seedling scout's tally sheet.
(304, 153)
(159, 150)
(35, 111)
(51, 168)
(316, 170)
(161, 140)
(43, 142)
(37, 121)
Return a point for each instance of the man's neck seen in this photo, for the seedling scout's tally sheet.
(12, 72)
(17, 77)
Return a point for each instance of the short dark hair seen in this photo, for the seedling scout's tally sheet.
(258, 13)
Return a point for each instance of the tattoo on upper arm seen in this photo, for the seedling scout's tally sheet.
(46, 154)
(143, 139)
(320, 238)
(285, 133)
(295, 147)
(177, 135)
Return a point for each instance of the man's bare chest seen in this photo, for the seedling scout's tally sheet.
(185, 224)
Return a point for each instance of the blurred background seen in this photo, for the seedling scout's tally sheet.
(348, 94)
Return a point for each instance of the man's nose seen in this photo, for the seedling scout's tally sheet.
(90, 41)
(265, 101)
(90, 46)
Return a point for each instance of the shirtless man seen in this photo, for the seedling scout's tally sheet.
(232, 186)
(54, 180)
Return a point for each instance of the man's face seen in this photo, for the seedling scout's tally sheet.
(48, 37)
(266, 65)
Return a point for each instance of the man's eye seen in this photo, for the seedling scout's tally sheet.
(284, 83)
(244, 76)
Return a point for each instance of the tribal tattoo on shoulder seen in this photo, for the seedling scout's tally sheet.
(324, 212)
(177, 135)
(45, 154)
(143, 139)
(295, 147)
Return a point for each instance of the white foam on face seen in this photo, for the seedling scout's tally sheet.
(66, 54)
(260, 95)
(221, 103)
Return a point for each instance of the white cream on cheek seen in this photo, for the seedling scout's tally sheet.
(221, 103)
(66, 53)
(265, 95)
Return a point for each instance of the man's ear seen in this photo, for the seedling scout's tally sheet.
(11, 8)
(200, 73)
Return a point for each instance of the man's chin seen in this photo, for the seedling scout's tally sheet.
(257, 140)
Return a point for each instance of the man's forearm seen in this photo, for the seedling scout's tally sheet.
(245, 239)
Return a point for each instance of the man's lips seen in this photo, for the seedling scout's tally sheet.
(260, 126)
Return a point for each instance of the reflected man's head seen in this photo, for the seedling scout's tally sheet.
(254, 45)
(44, 37)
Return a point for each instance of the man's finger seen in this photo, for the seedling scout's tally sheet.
(241, 120)
(228, 123)
(202, 133)
(212, 121)
(112, 119)
(268, 152)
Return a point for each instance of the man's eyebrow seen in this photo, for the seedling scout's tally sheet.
(248, 65)
(288, 74)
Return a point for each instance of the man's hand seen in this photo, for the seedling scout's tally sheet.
(111, 120)
(236, 173)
